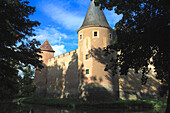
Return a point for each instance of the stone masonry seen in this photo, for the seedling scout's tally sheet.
(79, 74)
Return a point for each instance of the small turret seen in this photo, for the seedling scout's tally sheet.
(47, 52)
(41, 76)
(46, 47)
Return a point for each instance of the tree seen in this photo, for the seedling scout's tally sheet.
(143, 33)
(27, 86)
(16, 49)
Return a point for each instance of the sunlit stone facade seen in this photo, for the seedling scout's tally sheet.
(80, 73)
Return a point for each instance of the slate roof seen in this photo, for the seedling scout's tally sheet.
(46, 47)
(94, 17)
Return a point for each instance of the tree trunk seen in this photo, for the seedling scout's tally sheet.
(168, 104)
(168, 100)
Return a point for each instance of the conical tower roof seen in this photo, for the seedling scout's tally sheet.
(94, 17)
(46, 47)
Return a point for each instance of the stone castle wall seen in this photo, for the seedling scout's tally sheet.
(130, 86)
(62, 76)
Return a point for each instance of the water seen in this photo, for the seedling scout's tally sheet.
(14, 108)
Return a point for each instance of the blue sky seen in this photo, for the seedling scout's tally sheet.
(60, 20)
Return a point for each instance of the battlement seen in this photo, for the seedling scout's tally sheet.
(52, 61)
(66, 54)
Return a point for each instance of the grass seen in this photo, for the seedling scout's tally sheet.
(71, 103)
(155, 103)
(48, 101)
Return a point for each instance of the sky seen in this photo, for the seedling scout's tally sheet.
(60, 20)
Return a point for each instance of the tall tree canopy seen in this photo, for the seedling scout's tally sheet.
(143, 32)
(16, 49)
(27, 86)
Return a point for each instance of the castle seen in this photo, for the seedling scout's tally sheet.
(67, 75)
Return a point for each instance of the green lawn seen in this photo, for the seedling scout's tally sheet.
(154, 102)
(70, 103)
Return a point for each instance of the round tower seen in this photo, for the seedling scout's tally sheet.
(41, 75)
(95, 33)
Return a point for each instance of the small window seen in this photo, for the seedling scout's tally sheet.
(87, 71)
(93, 78)
(95, 33)
(87, 57)
(110, 36)
(81, 36)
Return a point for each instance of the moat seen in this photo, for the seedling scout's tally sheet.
(16, 108)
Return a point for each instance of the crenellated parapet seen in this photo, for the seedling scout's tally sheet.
(62, 58)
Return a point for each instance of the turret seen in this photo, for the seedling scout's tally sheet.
(47, 52)
(95, 33)
(41, 75)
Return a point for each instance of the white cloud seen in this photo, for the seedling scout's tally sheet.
(69, 17)
(51, 34)
(59, 49)
(70, 20)
(59, 41)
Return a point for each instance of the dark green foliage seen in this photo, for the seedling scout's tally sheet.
(51, 105)
(71, 103)
(27, 86)
(15, 47)
(143, 33)
(97, 93)
(15, 108)
(8, 84)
